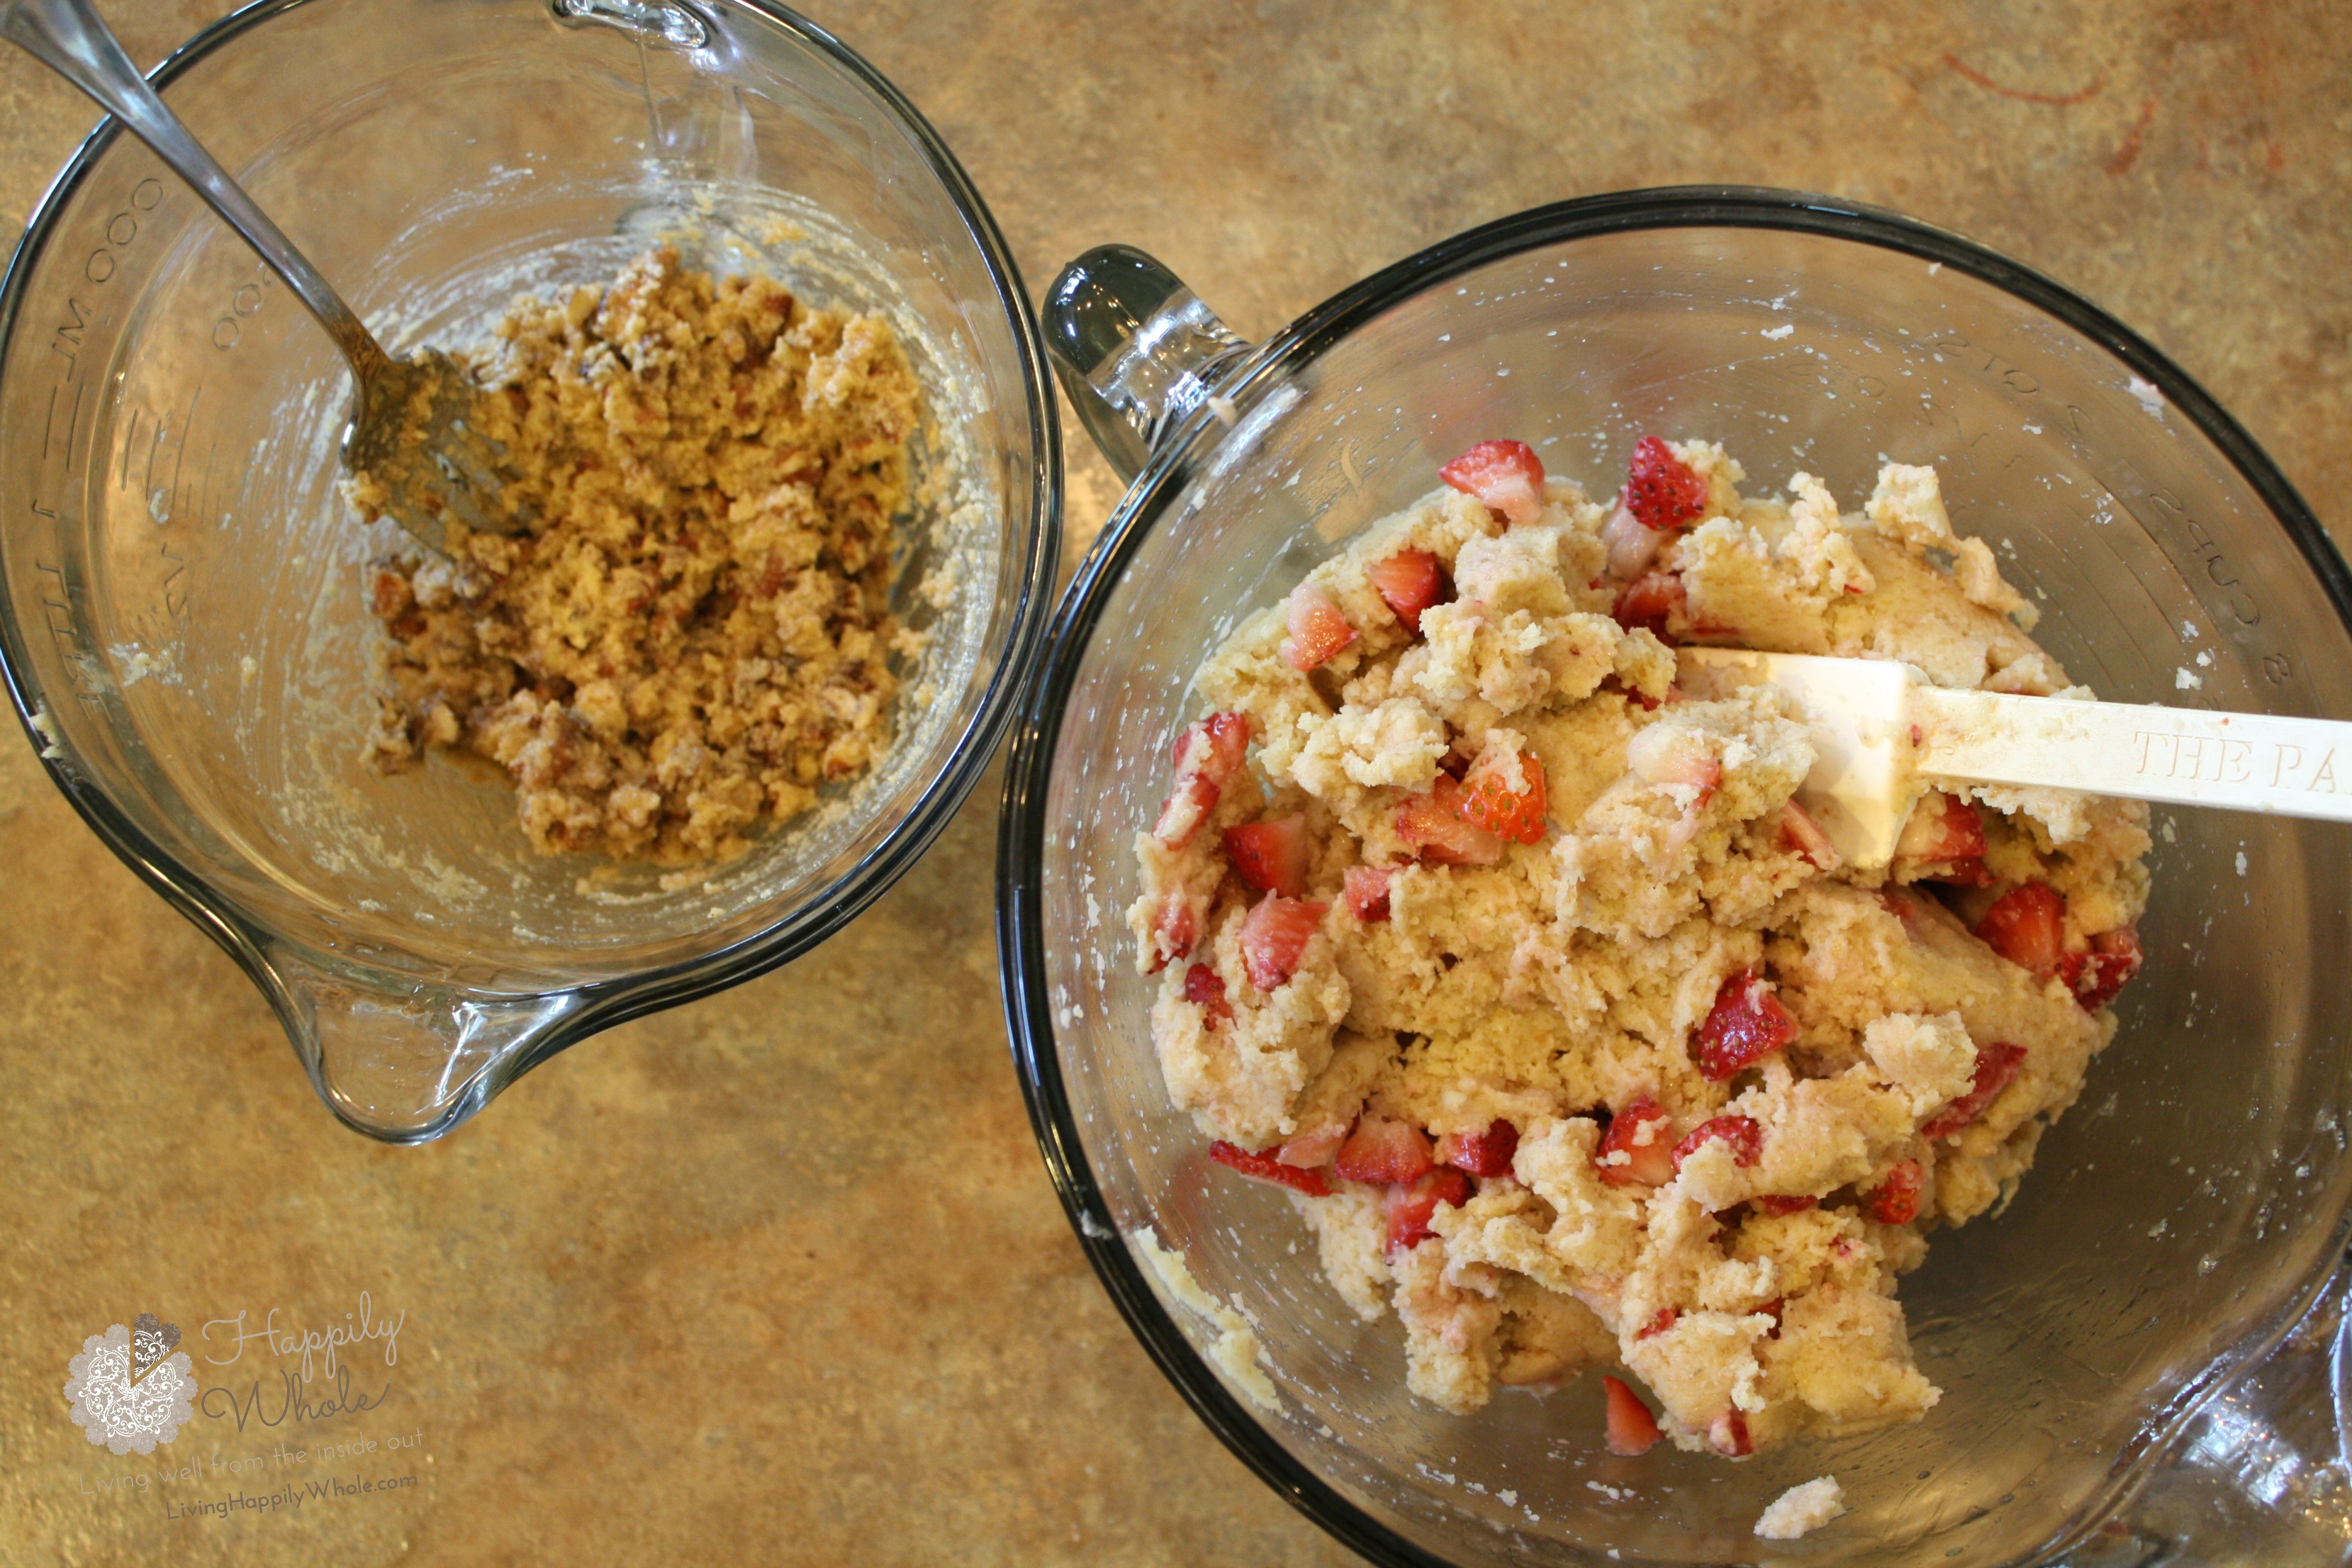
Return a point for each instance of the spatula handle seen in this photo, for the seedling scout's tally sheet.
(2242, 761)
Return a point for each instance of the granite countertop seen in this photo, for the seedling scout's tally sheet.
(779, 1274)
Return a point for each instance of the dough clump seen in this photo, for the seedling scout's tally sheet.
(1527, 972)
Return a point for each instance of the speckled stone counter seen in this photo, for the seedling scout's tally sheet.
(665, 1302)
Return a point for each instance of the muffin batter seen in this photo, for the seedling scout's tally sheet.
(1572, 1038)
(693, 635)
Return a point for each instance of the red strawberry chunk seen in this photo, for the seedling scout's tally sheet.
(1366, 893)
(1205, 987)
(1943, 841)
(1504, 794)
(1411, 581)
(1633, 1430)
(1802, 834)
(1942, 827)
(1266, 1168)
(1315, 1148)
(1746, 1024)
(1271, 856)
(2094, 977)
(1895, 1199)
(1660, 1321)
(2027, 926)
(1772, 1203)
(1209, 756)
(1213, 748)
(1486, 1153)
(1651, 600)
(1997, 1064)
(1433, 826)
(1660, 489)
(1173, 929)
(1187, 808)
(1318, 628)
(1742, 1133)
(1727, 1435)
(1506, 475)
(1273, 935)
(1641, 1133)
(1382, 1149)
(1410, 1205)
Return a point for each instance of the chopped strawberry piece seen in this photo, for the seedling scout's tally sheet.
(1895, 1199)
(1213, 748)
(1746, 1024)
(1486, 1153)
(1382, 1149)
(1649, 1159)
(1941, 827)
(2094, 977)
(1631, 547)
(1727, 1435)
(1314, 1148)
(1493, 798)
(1997, 1064)
(1273, 935)
(1773, 1203)
(1772, 1310)
(1660, 489)
(1187, 808)
(1611, 683)
(1410, 582)
(1633, 1430)
(2027, 926)
(1943, 841)
(1410, 1205)
(1433, 826)
(1651, 600)
(1506, 475)
(1366, 893)
(1660, 1321)
(1802, 834)
(1173, 929)
(1318, 628)
(1662, 755)
(1209, 756)
(1271, 856)
(1206, 989)
(1746, 1138)
(1266, 1168)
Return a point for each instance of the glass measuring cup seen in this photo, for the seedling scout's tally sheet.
(182, 625)
(2093, 1341)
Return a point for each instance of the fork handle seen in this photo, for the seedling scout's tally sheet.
(69, 37)
(2186, 756)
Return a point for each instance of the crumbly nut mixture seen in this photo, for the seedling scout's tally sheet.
(693, 636)
(1572, 1038)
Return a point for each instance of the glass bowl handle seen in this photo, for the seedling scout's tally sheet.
(2258, 1474)
(1136, 351)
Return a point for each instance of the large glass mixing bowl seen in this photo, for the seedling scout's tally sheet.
(183, 626)
(2179, 1222)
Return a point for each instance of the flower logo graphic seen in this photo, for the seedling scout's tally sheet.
(129, 1390)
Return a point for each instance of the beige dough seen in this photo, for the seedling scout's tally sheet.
(693, 637)
(1563, 982)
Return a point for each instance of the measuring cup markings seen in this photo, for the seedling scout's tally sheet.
(245, 302)
(121, 231)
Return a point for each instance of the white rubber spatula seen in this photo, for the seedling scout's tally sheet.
(1882, 735)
